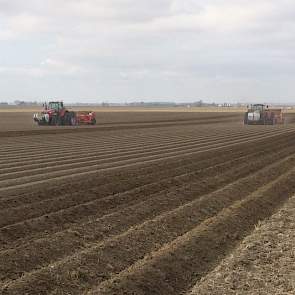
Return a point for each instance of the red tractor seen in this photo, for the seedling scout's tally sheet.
(55, 113)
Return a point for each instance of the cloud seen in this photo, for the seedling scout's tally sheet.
(51, 66)
(172, 49)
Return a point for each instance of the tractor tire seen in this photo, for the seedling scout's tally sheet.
(53, 121)
(67, 119)
(72, 119)
(60, 121)
(246, 119)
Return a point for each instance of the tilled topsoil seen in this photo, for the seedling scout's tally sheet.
(264, 263)
(20, 123)
(135, 208)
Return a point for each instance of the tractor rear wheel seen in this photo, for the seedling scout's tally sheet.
(60, 121)
(72, 119)
(67, 119)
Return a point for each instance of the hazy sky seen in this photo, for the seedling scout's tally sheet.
(122, 50)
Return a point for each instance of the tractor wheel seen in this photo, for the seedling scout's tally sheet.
(246, 119)
(67, 119)
(72, 119)
(60, 121)
(53, 121)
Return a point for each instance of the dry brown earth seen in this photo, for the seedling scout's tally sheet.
(262, 264)
(142, 203)
(16, 119)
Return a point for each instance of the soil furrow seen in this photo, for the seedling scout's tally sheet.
(111, 128)
(80, 272)
(64, 218)
(175, 267)
(231, 167)
(61, 143)
(65, 153)
(142, 203)
(170, 167)
(35, 209)
(100, 228)
(25, 181)
(100, 156)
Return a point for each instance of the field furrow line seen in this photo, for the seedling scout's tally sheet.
(164, 180)
(106, 138)
(168, 168)
(56, 142)
(111, 146)
(95, 151)
(70, 173)
(118, 253)
(179, 264)
(89, 229)
(28, 148)
(64, 218)
(7, 134)
(20, 170)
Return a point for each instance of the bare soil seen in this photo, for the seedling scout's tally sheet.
(142, 203)
(262, 264)
(23, 120)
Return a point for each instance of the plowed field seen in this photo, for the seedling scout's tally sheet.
(142, 205)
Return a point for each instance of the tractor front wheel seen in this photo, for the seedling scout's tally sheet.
(246, 119)
(53, 121)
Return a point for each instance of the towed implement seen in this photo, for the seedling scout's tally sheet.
(55, 113)
(259, 114)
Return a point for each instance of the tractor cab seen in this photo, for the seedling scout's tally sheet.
(257, 108)
(54, 105)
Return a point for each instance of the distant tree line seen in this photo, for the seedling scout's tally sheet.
(26, 103)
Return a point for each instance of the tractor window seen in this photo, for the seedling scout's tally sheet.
(258, 107)
(55, 105)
